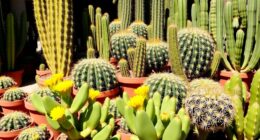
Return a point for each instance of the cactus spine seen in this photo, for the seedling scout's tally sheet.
(238, 48)
(139, 60)
(213, 18)
(123, 66)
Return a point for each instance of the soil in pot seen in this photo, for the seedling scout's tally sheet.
(16, 75)
(9, 107)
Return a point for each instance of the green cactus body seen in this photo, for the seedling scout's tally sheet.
(113, 110)
(105, 38)
(139, 28)
(207, 98)
(156, 54)
(139, 60)
(6, 82)
(91, 12)
(114, 26)
(238, 48)
(35, 133)
(14, 94)
(123, 125)
(157, 19)
(91, 53)
(167, 84)
(45, 92)
(120, 42)
(252, 122)
(204, 16)
(235, 13)
(126, 13)
(182, 13)
(194, 15)
(242, 12)
(196, 50)
(98, 73)
(139, 11)
(14, 121)
(130, 57)
(213, 18)
(215, 63)
(124, 68)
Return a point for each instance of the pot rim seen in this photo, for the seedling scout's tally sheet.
(130, 80)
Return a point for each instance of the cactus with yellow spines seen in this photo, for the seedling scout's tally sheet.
(139, 28)
(139, 58)
(124, 68)
(130, 57)
(157, 19)
(98, 34)
(114, 26)
(91, 11)
(139, 10)
(242, 12)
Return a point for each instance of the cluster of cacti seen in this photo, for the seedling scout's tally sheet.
(208, 106)
(14, 94)
(91, 53)
(93, 121)
(46, 92)
(131, 57)
(196, 48)
(98, 73)
(55, 26)
(154, 118)
(35, 133)
(139, 58)
(167, 84)
(14, 121)
(6, 82)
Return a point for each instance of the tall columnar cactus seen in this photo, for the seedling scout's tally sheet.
(196, 49)
(55, 26)
(204, 15)
(120, 42)
(235, 13)
(105, 38)
(14, 121)
(139, 28)
(98, 32)
(126, 13)
(157, 19)
(6, 82)
(139, 60)
(113, 110)
(139, 10)
(130, 57)
(35, 133)
(240, 36)
(124, 68)
(14, 94)
(156, 54)
(97, 72)
(114, 26)
(213, 18)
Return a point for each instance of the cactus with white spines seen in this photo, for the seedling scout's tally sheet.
(14, 121)
(6, 82)
(35, 133)
(14, 94)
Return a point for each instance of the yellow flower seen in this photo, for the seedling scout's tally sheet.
(165, 116)
(63, 87)
(54, 79)
(57, 113)
(137, 102)
(93, 94)
(142, 90)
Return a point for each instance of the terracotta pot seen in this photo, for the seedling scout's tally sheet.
(39, 118)
(124, 136)
(226, 75)
(129, 84)
(42, 76)
(16, 75)
(113, 61)
(43, 72)
(12, 106)
(103, 95)
(51, 136)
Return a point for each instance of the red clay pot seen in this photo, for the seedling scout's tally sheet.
(129, 84)
(42, 76)
(43, 72)
(39, 118)
(226, 75)
(12, 106)
(103, 95)
(113, 61)
(16, 75)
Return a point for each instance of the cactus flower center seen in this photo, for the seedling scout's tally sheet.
(57, 113)
(142, 91)
(54, 79)
(63, 87)
(137, 102)
(93, 94)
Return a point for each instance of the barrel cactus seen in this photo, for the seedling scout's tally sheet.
(120, 42)
(196, 49)
(98, 73)
(114, 26)
(167, 84)
(35, 133)
(14, 121)
(208, 106)
(156, 54)
(6, 82)
(46, 92)
(14, 94)
(139, 28)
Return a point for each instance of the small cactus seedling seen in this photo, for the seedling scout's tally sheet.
(14, 94)
(42, 67)
(14, 121)
(35, 133)
(6, 82)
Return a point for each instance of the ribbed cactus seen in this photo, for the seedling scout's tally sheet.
(204, 15)
(139, 60)
(124, 68)
(157, 19)
(196, 49)
(14, 94)
(156, 54)
(14, 121)
(130, 57)
(126, 13)
(139, 28)
(113, 110)
(6, 82)
(91, 53)
(35, 133)
(114, 26)
(98, 73)
(105, 37)
(45, 92)
(235, 13)
(167, 84)
(55, 26)
(213, 18)
(120, 42)
(98, 31)
(208, 106)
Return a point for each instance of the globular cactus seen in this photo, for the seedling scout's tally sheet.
(167, 84)
(45, 92)
(35, 133)
(114, 26)
(196, 49)
(139, 28)
(14, 121)
(6, 82)
(14, 94)
(124, 68)
(120, 42)
(156, 54)
(130, 57)
(208, 106)
(139, 60)
(98, 73)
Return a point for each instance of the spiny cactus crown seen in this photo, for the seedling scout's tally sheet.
(13, 94)
(196, 50)
(98, 73)
(114, 26)
(46, 92)
(6, 82)
(208, 106)
(35, 133)
(14, 121)
(139, 28)
(120, 42)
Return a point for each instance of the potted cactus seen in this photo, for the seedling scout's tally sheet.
(6, 83)
(12, 124)
(35, 133)
(12, 100)
(42, 74)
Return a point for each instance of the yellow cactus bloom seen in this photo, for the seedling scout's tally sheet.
(63, 87)
(57, 113)
(54, 79)
(93, 94)
(137, 102)
(165, 116)
(142, 90)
